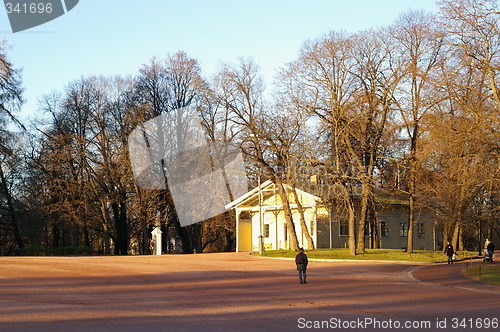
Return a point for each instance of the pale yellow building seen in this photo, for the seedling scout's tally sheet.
(260, 213)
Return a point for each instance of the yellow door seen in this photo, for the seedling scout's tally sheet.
(245, 237)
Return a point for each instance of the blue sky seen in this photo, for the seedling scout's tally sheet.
(115, 37)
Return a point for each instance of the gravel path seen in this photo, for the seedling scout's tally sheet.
(236, 292)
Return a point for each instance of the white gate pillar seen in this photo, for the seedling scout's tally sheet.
(157, 241)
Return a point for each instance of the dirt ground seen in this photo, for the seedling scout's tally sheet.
(237, 292)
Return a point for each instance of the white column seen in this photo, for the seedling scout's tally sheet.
(238, 230)
(157, 241)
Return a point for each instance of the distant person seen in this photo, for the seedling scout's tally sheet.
(485, 249)
(301, 261)
(449, 251)
(491, 249)
(151, 246)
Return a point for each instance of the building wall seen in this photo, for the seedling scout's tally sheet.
(278, 237)
(310, 218)
(329, 235)
(423, 231)
(327, 231)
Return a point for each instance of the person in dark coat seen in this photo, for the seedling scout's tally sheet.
(301, 262)
(449, 251)
(491, 250)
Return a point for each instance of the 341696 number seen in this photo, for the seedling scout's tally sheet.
(475, 323)
(31, 8)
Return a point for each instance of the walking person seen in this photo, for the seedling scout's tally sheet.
(491, 250)
(449, 251)
(485, 250)
(301, 262)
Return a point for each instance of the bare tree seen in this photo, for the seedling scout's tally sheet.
(10, 101)
(466, 115)
(419, 49)
(172, 88)
(320, 84)
(241, 89)
(473, 27)
(83, 165)
(458, 163)
(378, 78)
(345, 82)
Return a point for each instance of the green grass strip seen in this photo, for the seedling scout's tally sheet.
(489, 273)
(426, 256)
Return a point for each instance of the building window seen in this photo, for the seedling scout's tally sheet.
(344, 227)
(384, 229)
(403, 229)
(420, 229)
(266, 230)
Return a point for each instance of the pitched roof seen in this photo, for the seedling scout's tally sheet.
(254, 192)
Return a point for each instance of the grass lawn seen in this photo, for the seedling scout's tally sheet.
(489, 273)
(375, 254)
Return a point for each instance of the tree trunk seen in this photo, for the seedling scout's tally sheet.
(412, 183)
(447, 231)
(76, 236)
(105, 229)
(352, 230)
(461, 238)
(229, 235)
(411, 218)
(106, 240)
(55, 235)
(349, 205)
(195, 236)
(293, 241)
(120, 218)
(145, 238)
(12, 212)
(456, 233)
(303, 224)
(86, 237)
(365, 200)
(375, 235)
(182, 232)
(174, 220)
